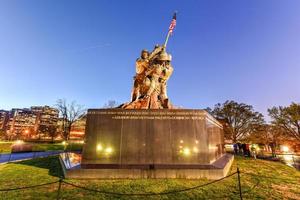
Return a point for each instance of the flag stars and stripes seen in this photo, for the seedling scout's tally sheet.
(173, 24)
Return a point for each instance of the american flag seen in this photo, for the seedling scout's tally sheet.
(173, 24)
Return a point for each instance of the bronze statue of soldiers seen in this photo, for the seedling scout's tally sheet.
(150, 82)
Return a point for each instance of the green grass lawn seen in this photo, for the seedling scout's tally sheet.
(278, 182)
(56, 146)
(5, 147)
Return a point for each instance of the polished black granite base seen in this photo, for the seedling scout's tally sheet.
(167, 143)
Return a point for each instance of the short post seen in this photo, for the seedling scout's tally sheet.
(59, 188)
(239, 180)
(9, 157)
(294, 160)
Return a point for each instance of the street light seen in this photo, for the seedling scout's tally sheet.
(65, 145)
(285, 149)
(19, 142)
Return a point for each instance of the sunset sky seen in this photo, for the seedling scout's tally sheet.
(247, 51)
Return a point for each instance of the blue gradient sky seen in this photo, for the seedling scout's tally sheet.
(246, 51)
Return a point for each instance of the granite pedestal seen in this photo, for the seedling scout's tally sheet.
(165, 143)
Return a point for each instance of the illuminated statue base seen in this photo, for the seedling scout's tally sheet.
(161, 143)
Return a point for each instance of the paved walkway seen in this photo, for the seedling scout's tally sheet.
(7, 157)
(292, 160)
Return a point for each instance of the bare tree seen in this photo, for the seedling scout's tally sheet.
(111, 104)
(49, 130)
(2, 134)
(69, 114)
(268, 135)
(52, 132)
(42, 130)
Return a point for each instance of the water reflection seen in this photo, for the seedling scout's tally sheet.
(71, 160)
(290, 160)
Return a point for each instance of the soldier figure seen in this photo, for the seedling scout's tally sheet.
(166, 73)
(142, 65)
(159, 74)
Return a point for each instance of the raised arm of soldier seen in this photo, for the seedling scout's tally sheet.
(156, 51)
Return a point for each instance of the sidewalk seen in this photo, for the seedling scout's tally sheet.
(292, 160)
(7, 157)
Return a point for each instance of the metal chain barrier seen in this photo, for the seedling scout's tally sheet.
(61, 181)
(27, 187)
(148, 194)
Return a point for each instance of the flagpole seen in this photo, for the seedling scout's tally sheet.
(170, 31)
(167, 38)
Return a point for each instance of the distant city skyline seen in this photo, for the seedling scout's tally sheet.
(246, 51)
